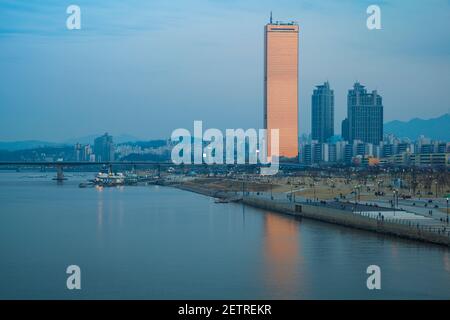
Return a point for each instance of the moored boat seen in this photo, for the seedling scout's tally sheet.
(109, 179)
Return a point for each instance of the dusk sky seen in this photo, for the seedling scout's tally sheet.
(145, 68)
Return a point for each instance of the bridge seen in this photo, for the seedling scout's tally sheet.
(60, 165)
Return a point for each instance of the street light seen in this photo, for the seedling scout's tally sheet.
(395, 203)
(271, 193)
(291, 193)
(397, 193)
(332, 187)
(314, 188)
(447, 210)
(436, 185)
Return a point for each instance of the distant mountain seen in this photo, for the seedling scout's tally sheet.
(90, 139)
(435, 128)
(32, 144)
(27, 144)
(147, 144)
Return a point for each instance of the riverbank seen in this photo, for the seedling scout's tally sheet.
(370, 218)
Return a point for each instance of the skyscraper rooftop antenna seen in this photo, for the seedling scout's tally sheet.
(270, 17)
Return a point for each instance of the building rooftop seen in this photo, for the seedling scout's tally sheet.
(281, 23)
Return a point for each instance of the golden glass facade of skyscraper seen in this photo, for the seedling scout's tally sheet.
(281, 86)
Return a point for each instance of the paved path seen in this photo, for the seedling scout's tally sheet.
(379, 209)
(418, 209)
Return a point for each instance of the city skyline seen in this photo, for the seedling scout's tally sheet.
(49, 72)
(202, 151)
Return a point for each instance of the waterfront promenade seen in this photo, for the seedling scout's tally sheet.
(366, 216)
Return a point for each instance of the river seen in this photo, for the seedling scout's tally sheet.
(152, 242)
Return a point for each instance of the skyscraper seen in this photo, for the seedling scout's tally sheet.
(365, 115)
(344, 129)
(104, 148)
(322, 115)
(281, 85)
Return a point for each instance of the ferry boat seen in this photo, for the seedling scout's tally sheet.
(131, 178)
(109, 179)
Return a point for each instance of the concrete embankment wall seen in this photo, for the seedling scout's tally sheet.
(348, 218)
(330, 215)
(202, 190)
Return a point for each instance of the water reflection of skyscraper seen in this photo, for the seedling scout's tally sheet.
(282, 253)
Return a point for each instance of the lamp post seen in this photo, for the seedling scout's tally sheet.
(314, 188)
(332, 187)
(271, 193)
(396, 196)
(395, 203)
(436, 188)
(291, 193)
(447, 210)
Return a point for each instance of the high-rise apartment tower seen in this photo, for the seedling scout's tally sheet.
(365, 115)
(322, 113)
